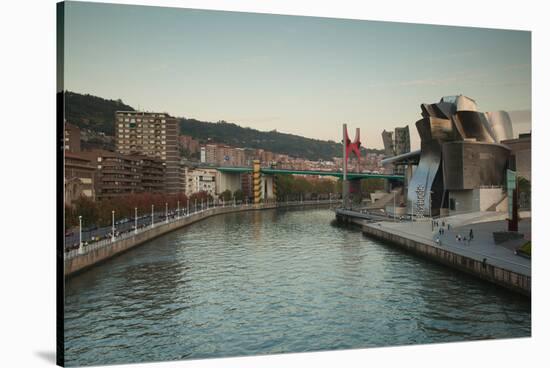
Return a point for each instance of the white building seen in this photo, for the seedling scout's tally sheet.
(201, 180)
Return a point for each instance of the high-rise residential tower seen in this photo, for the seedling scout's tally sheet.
(151, 134)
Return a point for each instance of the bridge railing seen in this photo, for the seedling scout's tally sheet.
(91, 246)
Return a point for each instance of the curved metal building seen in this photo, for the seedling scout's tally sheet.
(460, 150)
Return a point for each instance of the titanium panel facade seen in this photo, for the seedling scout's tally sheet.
(470, 165)
(501, 124)
(459, 151)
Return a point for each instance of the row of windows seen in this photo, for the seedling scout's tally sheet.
(141, 138)
(121, 128)
(139, 120)
(151, 131)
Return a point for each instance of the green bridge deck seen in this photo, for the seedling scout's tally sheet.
(337, 174)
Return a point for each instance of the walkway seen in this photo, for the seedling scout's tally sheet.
(482, 246)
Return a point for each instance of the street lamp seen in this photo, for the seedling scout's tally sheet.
(80, 232)
(152, 215)
(135, 220)
(393, 206)
(187, 206)
(113, 230)
(178, 210)
(166, 213)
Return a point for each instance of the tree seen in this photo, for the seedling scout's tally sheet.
(86, 208)
(70, 217)
(371, 185)
(524, 192)
(226, 195)
(238, 195)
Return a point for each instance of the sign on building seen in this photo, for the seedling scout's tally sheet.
(420, 195)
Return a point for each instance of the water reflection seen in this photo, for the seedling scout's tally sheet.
(274, 281)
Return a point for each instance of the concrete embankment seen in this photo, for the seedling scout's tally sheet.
(91, 255)
(499, 275)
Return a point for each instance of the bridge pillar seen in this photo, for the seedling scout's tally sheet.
(228, 181)
(268, 190)
(354, 192)
(256, 181)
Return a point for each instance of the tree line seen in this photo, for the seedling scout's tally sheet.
(100, 212)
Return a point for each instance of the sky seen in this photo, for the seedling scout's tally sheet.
(299, 75)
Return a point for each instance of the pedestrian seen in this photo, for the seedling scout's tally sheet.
(437, 240)
(471, 234)
(448, 226)
(443, 223)
(456, 237)
(459, 238)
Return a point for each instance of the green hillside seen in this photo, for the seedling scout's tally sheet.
(97, 114)
(94, 113)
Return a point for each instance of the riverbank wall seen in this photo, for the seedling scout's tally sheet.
(501, 276)
(79, 260)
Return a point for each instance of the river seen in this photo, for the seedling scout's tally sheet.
(274, 281)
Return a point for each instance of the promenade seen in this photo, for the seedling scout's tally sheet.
(79, 259)
(480, 257)
(482, 246)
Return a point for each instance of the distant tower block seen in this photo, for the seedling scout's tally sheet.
(256, 181)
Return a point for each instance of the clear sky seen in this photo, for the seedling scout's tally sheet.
(300, 75)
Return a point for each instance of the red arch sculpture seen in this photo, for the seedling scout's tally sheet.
(354, 146)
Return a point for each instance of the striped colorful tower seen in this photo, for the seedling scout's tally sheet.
(256, 181)
(275, 179)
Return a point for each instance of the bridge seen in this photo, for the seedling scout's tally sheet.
(265, 186)
(338, 174)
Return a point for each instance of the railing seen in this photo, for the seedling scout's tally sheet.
(131, 233)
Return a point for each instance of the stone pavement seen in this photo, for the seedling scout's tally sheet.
(482, 246)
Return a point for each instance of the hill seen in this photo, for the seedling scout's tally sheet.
(91, 112)
(97, 114)
(235, 135)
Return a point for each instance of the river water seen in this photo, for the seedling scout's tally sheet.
(274, 281)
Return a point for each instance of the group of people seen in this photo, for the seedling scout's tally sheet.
(440, 229)
(461, 238)
(458, 237)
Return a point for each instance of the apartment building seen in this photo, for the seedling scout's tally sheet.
(154, 135)
(201, 180)
(71, 138)
(118, 174)
(80, 177)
